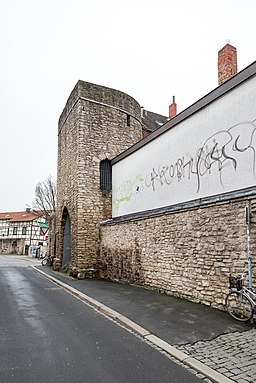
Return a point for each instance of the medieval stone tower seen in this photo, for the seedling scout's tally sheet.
(96, 124)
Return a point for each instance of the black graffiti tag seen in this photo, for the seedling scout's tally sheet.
(219, 151)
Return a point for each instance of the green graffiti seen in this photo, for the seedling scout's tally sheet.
(125, 190)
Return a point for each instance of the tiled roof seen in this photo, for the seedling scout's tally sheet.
(20, 216)
(152, 121)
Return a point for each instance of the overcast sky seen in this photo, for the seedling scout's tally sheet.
(149, 49)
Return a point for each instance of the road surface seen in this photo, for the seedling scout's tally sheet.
(49, 336)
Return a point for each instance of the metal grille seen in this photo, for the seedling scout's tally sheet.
(105, 175)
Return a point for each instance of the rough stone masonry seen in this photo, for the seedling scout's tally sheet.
(188, 253)
(96, 124)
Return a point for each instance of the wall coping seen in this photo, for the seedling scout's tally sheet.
(194, 204)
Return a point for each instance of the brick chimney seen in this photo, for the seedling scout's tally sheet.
(172, 108)
(227, 63)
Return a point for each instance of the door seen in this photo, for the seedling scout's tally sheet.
(66, 243)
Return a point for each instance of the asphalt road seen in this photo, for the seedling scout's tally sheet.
(47, 335)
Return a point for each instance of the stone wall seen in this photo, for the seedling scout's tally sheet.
(6, 246)
(188, 253)
(67, 169)
(97, 123)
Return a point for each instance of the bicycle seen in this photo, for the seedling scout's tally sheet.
(241, 301)
(47, 260)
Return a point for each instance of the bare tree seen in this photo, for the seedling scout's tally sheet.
(45, 204)
(45, 197)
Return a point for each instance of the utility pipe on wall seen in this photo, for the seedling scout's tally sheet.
(248, 230)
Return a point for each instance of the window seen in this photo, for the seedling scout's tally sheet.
(128, 120)
(105, 175)
(8, 231)
(24, 230)
(15, 230)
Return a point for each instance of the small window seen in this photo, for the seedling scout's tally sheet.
(8, 231)
(128, 120)
(24, 230)
(105, 175)
(15, 230)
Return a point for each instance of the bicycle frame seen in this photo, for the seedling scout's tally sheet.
(240, 301)
(250, 295)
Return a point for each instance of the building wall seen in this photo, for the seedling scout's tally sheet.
(188, 253)
(179, 199)
(67, 168)
(210, 153)
(18, 236)
(12, 246)
(179, 196)
(97, 123)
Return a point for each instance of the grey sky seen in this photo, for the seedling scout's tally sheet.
(149, 49)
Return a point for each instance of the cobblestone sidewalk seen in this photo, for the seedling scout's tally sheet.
(233, 355)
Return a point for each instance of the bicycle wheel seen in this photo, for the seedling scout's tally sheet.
(239, 306)
(49, 261)
(44, 262)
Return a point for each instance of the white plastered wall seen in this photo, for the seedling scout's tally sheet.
(210, 153)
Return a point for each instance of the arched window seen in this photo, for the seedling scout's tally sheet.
(105, 175)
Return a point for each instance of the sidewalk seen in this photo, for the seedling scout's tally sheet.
(206, 339)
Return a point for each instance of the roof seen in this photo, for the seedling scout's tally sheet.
(152, 121)
(220, 91)
(20, 216)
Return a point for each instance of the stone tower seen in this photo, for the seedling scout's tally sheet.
(96, 124)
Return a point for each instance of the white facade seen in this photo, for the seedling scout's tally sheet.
(210, 153)
(21, 230)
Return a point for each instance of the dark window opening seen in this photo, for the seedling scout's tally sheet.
(15, 230)
(105, 175)
(24, 230)
(128, 120)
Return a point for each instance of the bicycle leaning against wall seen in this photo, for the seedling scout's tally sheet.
(241, 301)
(47, 260)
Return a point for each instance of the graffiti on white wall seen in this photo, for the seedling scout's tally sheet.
(125, 191)
(222, 150)
(225, 161)
(210, 153)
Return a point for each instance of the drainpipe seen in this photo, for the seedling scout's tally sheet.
(248, 230)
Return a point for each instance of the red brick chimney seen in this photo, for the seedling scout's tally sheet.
(227, 63)
(172, 108)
